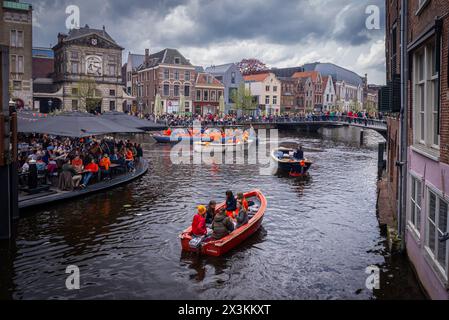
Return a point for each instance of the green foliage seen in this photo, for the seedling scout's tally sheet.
(243, 99)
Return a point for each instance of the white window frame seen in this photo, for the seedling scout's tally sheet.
(444, 270)
(414, 222)
(423, 116)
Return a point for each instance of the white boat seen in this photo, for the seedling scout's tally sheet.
(209, 147)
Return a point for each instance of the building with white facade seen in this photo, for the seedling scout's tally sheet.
(266, 88)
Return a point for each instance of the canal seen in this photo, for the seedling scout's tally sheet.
(318, 237)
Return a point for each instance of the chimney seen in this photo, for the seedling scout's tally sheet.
(147, 55)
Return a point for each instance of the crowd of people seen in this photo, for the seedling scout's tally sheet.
(211, 224)
(76, 160)
(182, 120)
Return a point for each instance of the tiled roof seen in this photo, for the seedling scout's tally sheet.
(206, 79)
(307, 74)
(256, 77)
(286, 72)
(338, 73)
(166, 56)
(86, 30)
(219, 69)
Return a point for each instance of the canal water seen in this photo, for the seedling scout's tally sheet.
(318, 237)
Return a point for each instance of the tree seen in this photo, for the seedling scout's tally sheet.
(85, 91)
(249, 66)
(243, 99)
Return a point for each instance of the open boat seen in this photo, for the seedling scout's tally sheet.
(286, 162)
(209, 147)
(222, 246)
(181, 135)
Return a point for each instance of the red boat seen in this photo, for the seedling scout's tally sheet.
(220, 247)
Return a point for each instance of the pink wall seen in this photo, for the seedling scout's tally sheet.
(437, 174)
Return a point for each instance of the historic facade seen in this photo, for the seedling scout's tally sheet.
(209, 93)
(166, 78)
(313, 89)
(329, 94)
(17, 32)
(88, 69)
(230, 76)
(266, 88)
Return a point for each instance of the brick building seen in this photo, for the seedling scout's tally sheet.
(209, 93)
(313, 89)
(17, 32)
(166, 74)
(427, 209)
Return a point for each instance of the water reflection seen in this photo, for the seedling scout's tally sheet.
(318, 235)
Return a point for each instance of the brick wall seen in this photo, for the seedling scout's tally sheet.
(418, 23)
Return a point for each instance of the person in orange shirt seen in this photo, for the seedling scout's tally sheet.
(241, 199)
(77, 163)
(105, 165)
(91, 169)
(129, 158)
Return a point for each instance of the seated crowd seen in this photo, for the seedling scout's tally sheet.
(222, 222)
(77, 160)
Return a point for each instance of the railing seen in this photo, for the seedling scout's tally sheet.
(322, 119)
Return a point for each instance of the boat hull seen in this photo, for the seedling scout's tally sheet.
(296, 168)
(221, 247)
(170, 140)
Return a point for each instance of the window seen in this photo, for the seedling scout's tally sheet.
(112, 93)
(166, 89)
(74, 105)
(267, 100)
(20, 39)
(275, 89)
(267, 88)
(436, 228)
(75, 67)
(275, 100)
(176, 90)
(13, 66)
(13, 38)
(213, 95)
(415, 203)
(187, 91)
(74, 55)
(74, 91)
(177, 60)
(233, 78)
(111, 105)
(112, 70)
(198, 95)
(232, 94)
(187, 106)
(20, 64)
(426, 98)
(206, 95)
(166, 74)
(220, 94)
(187, 76)
(176, 75)
(17, 85)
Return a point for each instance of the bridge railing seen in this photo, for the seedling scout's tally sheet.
(367, 122)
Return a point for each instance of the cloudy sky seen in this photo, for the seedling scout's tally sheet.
(281, 33)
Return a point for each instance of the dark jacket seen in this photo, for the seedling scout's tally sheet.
(231, 204)
(242, 218)
(222, 226)
(210, 213)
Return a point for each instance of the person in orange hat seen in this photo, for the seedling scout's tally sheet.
(199, 222)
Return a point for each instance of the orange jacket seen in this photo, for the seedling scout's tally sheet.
(105, 163)
(92, 167)
(129, 155)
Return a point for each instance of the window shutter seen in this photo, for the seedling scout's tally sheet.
(384, 99)
(395, 93)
